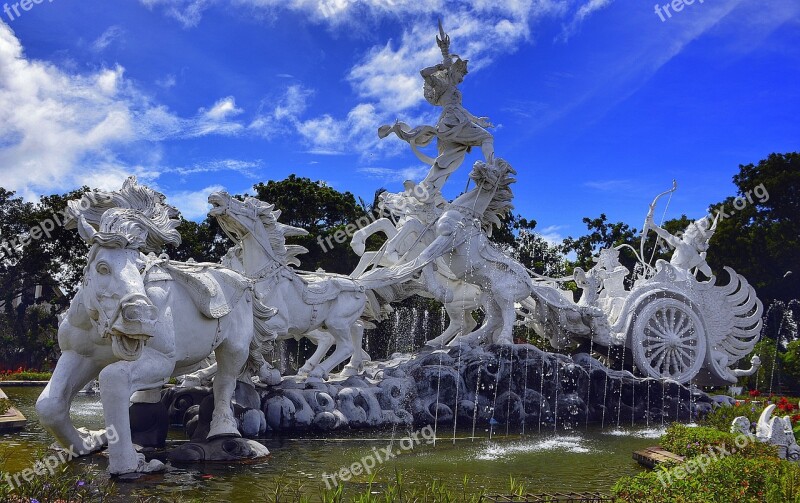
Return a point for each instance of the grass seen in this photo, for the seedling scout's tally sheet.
(5, 405)
(73, 483)
(66, 483)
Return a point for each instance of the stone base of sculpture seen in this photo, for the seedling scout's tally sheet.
(225, 449)
(516, 385)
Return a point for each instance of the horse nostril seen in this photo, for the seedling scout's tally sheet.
(139, 312)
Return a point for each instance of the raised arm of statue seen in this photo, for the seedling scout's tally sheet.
(427, 72)
(663, 234)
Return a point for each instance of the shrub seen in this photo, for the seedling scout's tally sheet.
(5, 405)
(722, 417)
(690, 442)
(732, 478)
(66, 484)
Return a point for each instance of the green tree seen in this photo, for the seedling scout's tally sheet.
(202, 241)
(758, 234)
(538, 255)
(38, 255)
(602, 234)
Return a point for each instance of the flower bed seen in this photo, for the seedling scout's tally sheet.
(22, 374)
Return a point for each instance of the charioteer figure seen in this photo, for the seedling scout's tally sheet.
(457, 130)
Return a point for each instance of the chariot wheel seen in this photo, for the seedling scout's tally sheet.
(668, 340)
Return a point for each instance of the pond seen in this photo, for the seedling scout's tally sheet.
(573, 461)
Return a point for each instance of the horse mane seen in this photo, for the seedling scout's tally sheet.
(136, 213)
(278, 232)
(493, 179)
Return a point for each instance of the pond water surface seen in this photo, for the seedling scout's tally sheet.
(570, 461)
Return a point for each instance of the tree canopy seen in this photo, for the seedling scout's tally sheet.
(758, 234)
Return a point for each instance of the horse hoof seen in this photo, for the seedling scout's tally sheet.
(223, 428)
(351, 370)
(141, 466)
(92, 441)
(305, 369)
(270, 378)
(435, 343)
(318, 373)
(151, 466)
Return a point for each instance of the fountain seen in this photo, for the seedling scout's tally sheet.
(679, 331)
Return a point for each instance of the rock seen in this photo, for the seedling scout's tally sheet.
(230, 450)
(149, 424)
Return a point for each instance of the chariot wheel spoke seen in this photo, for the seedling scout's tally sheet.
(668, 340)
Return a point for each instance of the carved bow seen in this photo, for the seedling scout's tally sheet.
(650, 212)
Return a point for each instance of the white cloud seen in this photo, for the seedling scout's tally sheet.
(224, 108)
(167, 82)
(552, 235)
(108, 36)
(611, 185)
(62, 130)
(583, 12)
(245, 168)
(53, 122)
(187, 12)
(193, 205)
(389, 175)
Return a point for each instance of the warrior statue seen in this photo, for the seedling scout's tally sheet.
(457, 130)
(691, 248)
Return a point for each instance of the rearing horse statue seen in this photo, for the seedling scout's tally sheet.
(462, 241)
(323, 307)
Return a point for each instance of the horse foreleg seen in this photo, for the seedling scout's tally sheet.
(505, 333)
(118, 382)
(356, 364)
(231, 357)
(324, 341)
(461, 323)
(490, 324)
(72, 373)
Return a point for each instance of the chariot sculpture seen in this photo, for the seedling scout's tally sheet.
(140, 318)
(675, 326)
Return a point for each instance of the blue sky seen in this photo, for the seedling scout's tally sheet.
(599, 104)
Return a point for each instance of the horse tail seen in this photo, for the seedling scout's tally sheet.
(262, 334)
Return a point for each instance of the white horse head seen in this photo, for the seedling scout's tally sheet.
(259, 220)
(113, 289)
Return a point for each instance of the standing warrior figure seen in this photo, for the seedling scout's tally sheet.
(457, 130)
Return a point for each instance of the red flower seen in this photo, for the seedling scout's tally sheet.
(755, 393)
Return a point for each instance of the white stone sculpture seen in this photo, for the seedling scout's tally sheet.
(457, 130)
(305, 302)
(604, 283)
(461, 240)
(675, 326)
(741, 426)
(408, 231)
(691, 248)
(777, 431)
(139, 319)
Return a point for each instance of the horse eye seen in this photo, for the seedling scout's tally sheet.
(103, 268)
